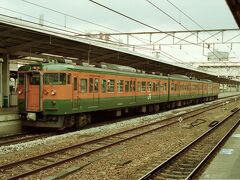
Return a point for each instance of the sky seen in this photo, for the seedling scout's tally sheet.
(210, 14)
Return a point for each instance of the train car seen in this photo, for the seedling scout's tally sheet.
(64, 95)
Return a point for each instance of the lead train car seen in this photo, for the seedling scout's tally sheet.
(64, 95)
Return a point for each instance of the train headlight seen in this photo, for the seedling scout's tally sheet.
(45, 92)
(20, 92)
(53, 92)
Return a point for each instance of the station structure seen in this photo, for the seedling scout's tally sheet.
(23, 39)
(32, 42)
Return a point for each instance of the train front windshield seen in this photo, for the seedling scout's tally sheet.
(35, 79)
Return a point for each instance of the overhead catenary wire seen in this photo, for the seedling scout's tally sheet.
(142, 23)
(186, 15)
(66, 29)
(139, 39)
(157, 7)
(191, 19)
(167, 55)
(74, 17)
(17, 12)
(64, 14)
(80, 19)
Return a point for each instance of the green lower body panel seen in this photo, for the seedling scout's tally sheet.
(68, 106)
(180, 97)
(60, 107)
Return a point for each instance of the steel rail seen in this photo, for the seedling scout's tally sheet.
(14, 139)
(173, 159)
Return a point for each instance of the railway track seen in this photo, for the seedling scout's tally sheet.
(22, 138)
(48, 160)
(186, 163)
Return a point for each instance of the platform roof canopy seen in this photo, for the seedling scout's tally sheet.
(21, 40)
(234, 6)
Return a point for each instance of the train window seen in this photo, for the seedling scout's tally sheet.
(172, 87)
(120, 85)
(69, 79)
(131, 86)
(111, 85)
(35, 79)
(90, 85)
(154, 87)
(134, 86)
(138, 86)
(83, 84)
(54, 78)
(75, 84)
(158, 86)
(127, 86)
(161, 87)
(20, 79)
(96, 85)
(143, 86)
(149, 88)
(165, 86)
(103, 85)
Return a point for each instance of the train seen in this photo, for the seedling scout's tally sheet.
(58, 95)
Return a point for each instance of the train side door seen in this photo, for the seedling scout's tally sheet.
(133, 89)
(75, 92)
(94, 90)
(32, 91)
(158, 89)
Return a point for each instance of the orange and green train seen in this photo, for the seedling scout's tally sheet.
(63, 95)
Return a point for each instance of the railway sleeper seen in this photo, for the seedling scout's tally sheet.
(169, 175)
(50, 159)
(171, 171)
(185, 165)
(179, 173)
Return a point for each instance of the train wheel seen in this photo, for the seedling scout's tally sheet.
(173, 105)
(156, 108)
(150, 108)
(89, 119)
(82, 120)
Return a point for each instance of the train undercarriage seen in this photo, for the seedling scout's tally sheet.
(78, 120)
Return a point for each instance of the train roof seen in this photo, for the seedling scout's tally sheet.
(78, 68)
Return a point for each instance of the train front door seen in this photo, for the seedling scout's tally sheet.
(32, 91)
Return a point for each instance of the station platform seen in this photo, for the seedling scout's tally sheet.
(225, 94)
(9, 121)
(226, 164)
